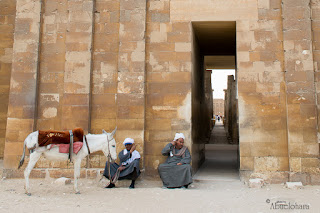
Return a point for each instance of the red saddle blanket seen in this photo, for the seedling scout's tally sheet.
(59, 137)
(64, 148)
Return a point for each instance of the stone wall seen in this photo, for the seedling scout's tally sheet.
(315, 24)
(136, 64)
(262, 94)
(198, 103)
(7, 16)
(168, 78)
(315, 6)
(24, 80)
(208, 106)
(218, 107)
(64, 68)
(303, 144)
(86, 70)
(231, 111)
(104, 79)
(130, 99)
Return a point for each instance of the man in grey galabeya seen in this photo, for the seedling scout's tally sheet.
(176, 171)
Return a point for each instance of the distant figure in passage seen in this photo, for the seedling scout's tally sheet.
(176, 171)
(129, 165)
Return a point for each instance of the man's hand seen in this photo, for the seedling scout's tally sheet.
(179, 164)
(121, 168)
(173, 143)
(133, 148)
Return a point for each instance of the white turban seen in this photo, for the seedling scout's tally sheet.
(178, 135)
(128, 140)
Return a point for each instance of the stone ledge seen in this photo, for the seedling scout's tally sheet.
(281, 177)
(53, 173)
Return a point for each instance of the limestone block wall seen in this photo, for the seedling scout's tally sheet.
(235, 114)
(104, 72)
(198, 104)
(24, 77)
(64, 68)
(262, 93)
(228, 108)
(87, 71)
(7, 17)
(301, 96)
(98, 64)
(218, 106)
(168, 82)
(315, 27)
(285, 95)
(231, 110)
(130, 98)
(208, 109)
(52, 64)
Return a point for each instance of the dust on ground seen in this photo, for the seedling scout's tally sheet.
(148, 196)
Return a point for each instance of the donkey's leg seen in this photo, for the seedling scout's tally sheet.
(34, 157)
(77, 163)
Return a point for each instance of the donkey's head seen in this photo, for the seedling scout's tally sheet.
(109, 147)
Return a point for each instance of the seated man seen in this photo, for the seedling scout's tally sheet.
(176, 171)
(129, 165)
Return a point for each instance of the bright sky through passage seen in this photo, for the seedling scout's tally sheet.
(219, 80)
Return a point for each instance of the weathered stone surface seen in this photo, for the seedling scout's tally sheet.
(24, 63)
(139, 66)
(7, 17)
(256, 183)
(294, 185)
(299, 65)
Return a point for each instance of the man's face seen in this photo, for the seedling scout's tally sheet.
(128, 146)
(179, 143)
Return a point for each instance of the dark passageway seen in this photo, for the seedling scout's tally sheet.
(214, 47)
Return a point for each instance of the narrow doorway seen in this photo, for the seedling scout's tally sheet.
(217, 141)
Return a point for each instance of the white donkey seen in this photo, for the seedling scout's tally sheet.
(96, 142)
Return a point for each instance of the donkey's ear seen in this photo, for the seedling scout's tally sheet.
(104, 131)
(113, 132)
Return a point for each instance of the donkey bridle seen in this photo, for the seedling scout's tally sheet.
(85, 139)
(109, 160)
(108, 156)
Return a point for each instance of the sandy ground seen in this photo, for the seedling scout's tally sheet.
(148, 196)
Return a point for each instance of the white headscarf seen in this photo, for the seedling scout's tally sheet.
(179, 135)
(128, 140)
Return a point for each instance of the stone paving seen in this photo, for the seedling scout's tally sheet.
(221, 158)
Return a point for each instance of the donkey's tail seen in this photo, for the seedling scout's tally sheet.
(24, 152)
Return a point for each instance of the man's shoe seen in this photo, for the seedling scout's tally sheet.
(131, 185)
(111, 185)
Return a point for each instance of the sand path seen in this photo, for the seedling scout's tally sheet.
(148, 196)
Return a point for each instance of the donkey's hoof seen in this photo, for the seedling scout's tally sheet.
(27, 193)
(78, 192)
